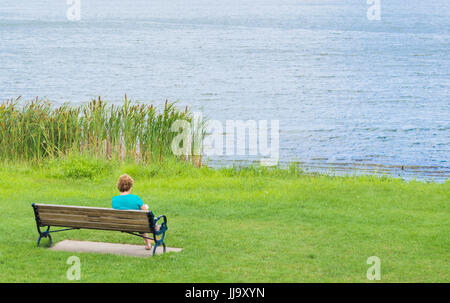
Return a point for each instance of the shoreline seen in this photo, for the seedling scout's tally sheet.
(439, 174)
(84, 166)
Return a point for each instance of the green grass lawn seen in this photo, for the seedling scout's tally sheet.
(253, 226)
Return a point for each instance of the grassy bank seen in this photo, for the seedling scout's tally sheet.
(252, 225)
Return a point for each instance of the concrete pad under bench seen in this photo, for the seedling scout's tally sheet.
(109, 248)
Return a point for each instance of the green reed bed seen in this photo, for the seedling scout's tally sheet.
(35, 130)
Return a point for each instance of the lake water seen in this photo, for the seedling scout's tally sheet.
(351, 94)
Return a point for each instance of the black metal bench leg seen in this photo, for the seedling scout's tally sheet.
(154, 248)
(157, 244)
(45, 234)
(160, 242)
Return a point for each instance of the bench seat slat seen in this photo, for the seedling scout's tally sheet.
(96, 225)
(118, 215)
(91, 211)
(89, 218)
(93, 218)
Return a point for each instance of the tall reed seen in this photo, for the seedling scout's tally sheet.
(36, 130)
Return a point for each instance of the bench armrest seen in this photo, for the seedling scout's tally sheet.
(163, 227)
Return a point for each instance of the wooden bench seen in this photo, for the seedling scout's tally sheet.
(135, 222)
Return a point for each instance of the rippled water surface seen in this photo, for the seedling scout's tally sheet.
(350, 94)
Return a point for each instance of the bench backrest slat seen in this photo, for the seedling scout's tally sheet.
(93, 218)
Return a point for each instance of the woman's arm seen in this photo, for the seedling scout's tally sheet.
(144, 207)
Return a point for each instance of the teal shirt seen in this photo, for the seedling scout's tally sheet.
(127, 202)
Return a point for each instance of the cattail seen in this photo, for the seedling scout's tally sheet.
(37, 130)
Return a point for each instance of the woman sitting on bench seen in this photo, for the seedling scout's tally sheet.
(128, 201)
